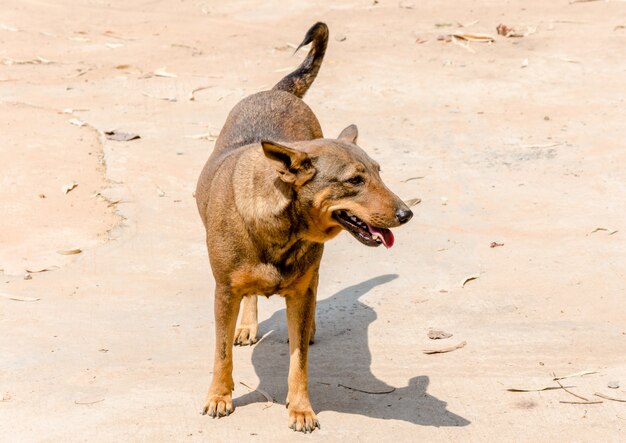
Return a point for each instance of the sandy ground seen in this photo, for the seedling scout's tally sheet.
(519, 142)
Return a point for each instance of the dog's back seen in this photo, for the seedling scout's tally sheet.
(278, 114)
(260, 116)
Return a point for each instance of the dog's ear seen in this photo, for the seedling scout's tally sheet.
(294, 167)
(349, 134)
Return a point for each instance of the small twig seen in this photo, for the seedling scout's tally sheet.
(366, 392)
(76, 402)
(581, 402)
(411, 178)
(541, 146)
(270, 400)
(192, 96)
(577, 374)
(567, 390)
(598, 394)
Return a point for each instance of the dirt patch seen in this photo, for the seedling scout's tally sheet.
(52, 175)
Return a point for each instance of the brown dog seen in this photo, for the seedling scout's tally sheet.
(272, 192)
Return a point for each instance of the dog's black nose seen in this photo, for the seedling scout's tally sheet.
(404, 215)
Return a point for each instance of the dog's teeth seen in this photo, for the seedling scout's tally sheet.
(354, 218)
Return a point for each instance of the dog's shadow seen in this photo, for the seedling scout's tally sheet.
(339, 360)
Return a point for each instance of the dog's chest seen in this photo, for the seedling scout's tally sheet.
(290, 274)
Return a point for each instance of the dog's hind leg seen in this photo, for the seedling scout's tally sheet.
(246, 333)
(219, 401)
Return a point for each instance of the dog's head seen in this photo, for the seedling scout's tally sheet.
(338, 186)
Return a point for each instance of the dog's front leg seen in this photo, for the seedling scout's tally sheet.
(300, 313)
(219, 401)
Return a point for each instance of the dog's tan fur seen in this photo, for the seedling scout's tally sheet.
(269, 196)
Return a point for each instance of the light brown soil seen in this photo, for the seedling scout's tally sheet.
(518, 142)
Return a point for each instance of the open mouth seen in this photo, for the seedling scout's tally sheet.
(365, 233)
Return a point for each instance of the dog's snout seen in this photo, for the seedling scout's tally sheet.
(404, 215)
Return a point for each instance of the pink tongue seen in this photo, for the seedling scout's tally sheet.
(384, 234)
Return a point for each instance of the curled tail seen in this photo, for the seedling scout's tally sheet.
(299, 81)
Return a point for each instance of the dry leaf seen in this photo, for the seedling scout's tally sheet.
(435, 334)
(444, 350)
(495, 244)
(35, 61)
(6, 27)
(509, 32)
(130, 69)
(121, 136)
(469, 279)
(18, 297)
(161, 72)
(420, 40)
(69, 251)
(412, 202)
(77, 122)
(67, 188)
(483, 38)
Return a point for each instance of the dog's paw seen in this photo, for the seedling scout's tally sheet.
(218, 406)
(246, 335)
(303, 420)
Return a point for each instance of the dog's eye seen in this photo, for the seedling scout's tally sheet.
(357, 180)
